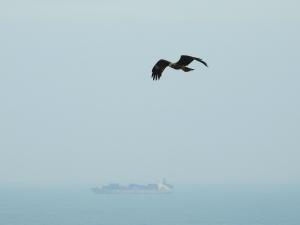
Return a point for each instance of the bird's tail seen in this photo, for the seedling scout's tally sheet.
(186, 69)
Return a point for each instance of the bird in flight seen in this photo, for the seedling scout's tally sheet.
(182, 63)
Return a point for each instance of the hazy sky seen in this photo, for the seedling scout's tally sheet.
(78, 106)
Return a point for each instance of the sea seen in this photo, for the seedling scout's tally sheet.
(185, 206)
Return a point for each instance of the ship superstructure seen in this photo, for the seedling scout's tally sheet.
(114, 188)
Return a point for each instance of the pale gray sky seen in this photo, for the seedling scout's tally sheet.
(78, 106)
(156, 10)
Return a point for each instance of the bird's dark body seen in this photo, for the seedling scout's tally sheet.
(184, 60)
(176, 66)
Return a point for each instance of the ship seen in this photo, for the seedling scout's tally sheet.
(114, 188)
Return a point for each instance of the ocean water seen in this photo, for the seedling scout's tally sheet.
(202, 206)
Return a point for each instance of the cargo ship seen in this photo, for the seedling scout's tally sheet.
(114, 188)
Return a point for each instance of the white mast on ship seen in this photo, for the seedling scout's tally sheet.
(162, 186)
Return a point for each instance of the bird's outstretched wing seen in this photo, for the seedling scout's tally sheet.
(158, 68)
(186, 60)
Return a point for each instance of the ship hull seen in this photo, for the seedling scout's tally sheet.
(144, 192)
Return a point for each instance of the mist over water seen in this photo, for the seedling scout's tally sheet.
(189, 206)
